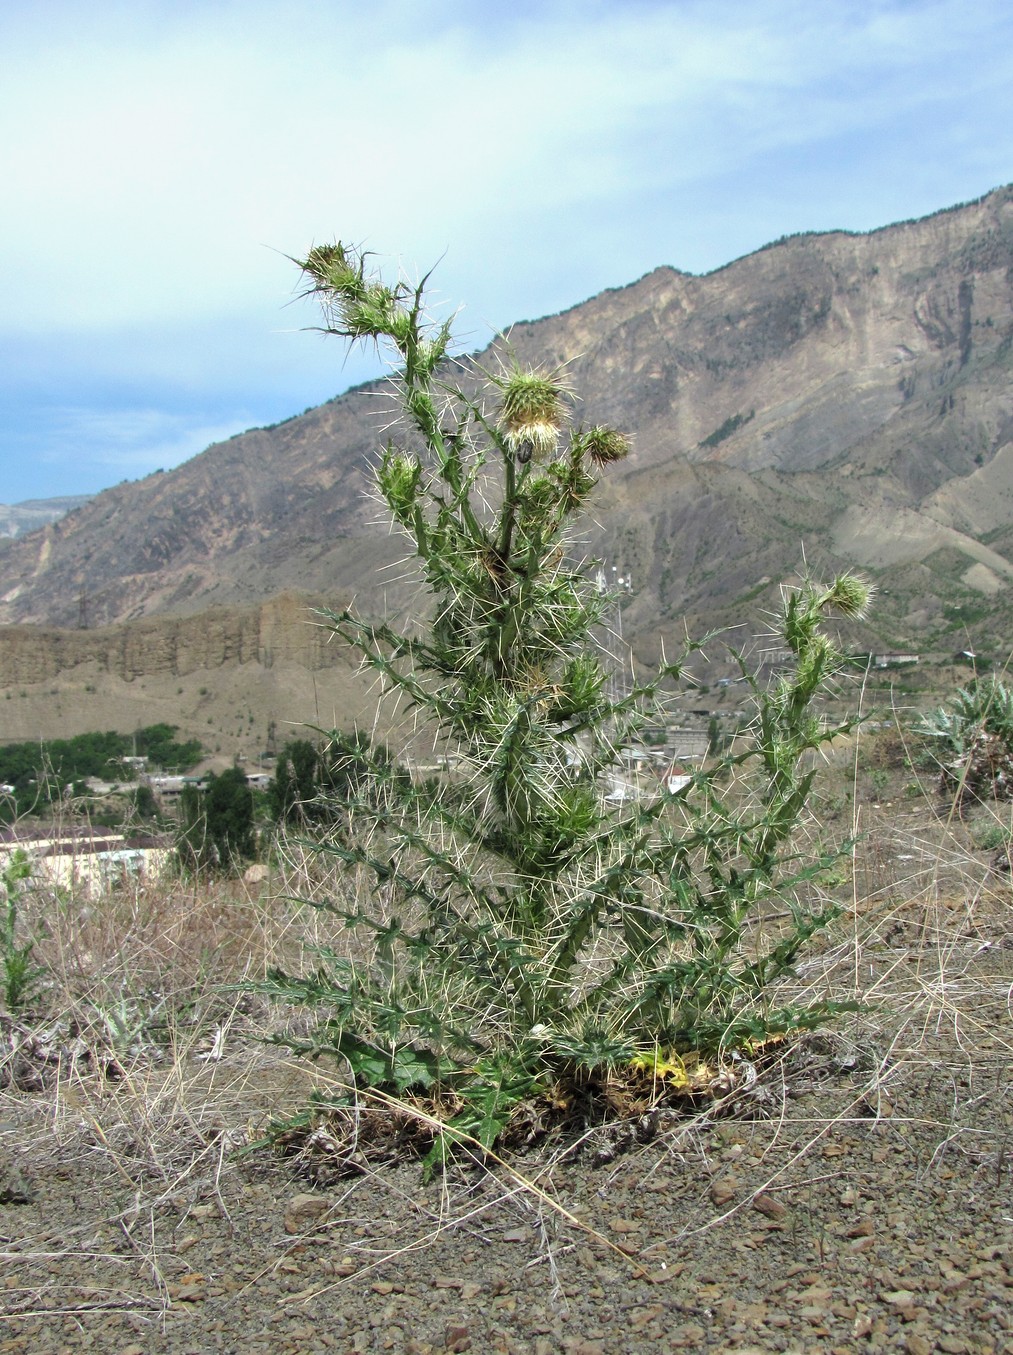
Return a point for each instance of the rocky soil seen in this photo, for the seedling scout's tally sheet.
(858, 1198)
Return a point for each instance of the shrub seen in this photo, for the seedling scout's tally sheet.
(528, 929)
(971, 740)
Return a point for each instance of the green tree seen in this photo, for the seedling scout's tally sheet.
(228, 803)
(294, 784)
(40, 770)
(144, 803)
(158, 743)
(194, 847)
(528, 928)
(314, 781)
(216, 825)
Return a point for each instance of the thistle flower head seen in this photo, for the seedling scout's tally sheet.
(335, 268)
(849, 595)
(532, 410)
(399, 476)
(601, 445)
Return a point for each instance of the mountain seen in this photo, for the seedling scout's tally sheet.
(842, 397)
(18, 518)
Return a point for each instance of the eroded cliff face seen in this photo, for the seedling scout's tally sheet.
(286, 629)
(813, 398)
(240, 680)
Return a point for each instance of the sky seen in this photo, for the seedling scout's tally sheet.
(162, 162)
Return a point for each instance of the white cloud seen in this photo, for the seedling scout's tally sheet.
(151, 165)
(125, 444)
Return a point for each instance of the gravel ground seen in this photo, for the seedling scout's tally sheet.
(859, 1198)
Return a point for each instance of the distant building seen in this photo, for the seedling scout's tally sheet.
(169, 786)
(894, 660)
(88, 861)
(688, 745)
(676, 778)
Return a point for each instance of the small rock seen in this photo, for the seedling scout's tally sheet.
(691, 1334)
(190, 1289)
(457, 1338)
(768, 1206)
(303, 1211)
(517, 1235)
(723, 1191)
(15, 1185)
(898, 1298)
(646, 1316)
(954, 1281)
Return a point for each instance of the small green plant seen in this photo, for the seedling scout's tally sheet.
(21, 976)
(526, 927)
(970, 740)
(127, 1023)
(988, 837)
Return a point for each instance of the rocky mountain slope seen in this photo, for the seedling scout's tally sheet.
(841, 397)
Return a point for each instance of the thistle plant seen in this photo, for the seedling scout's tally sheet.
(971, 740)
(521, 930)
